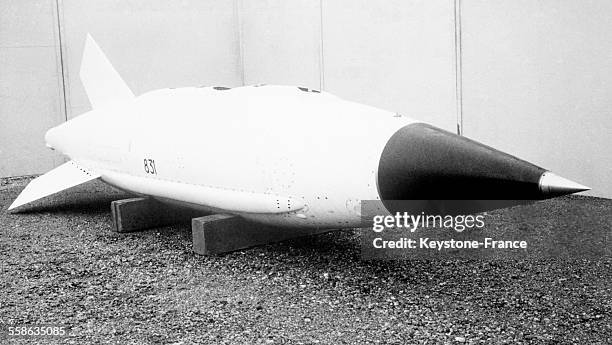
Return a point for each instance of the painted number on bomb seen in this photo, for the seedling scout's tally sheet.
(149, 166)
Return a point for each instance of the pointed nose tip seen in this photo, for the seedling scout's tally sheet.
(554, 185)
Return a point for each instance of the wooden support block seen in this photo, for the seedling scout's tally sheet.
(223, 233)
(143, 213)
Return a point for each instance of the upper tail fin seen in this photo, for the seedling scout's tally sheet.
(63, 177)
(102, 83)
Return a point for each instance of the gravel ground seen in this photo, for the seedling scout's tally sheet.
(63, 264)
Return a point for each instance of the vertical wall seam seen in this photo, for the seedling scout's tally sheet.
(61, 57)
(238, 12)
(321, 65)
(458, 67)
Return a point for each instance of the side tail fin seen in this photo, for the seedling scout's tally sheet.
(102, 83)
(63, 177)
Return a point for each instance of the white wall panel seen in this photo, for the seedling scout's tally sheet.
(537, 81)
(27, 23)
(281, 42)
(153, 44)
(398, 55)
(30, 86)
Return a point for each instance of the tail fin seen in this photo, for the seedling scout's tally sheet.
(102, 83)
(63, 177)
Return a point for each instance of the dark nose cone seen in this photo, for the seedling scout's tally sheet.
(422, 162)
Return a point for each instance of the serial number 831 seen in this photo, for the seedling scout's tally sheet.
(149, 166)
(37, 330)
